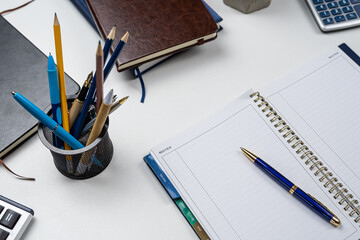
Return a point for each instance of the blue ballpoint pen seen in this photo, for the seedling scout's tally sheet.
(79, 123)
(307, 199)
(47, 121)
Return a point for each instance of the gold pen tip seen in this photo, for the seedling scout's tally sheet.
(123, 100)
(249, 154)
(335, 221)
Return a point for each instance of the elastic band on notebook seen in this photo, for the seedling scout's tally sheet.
(142, 85)
(16, 175)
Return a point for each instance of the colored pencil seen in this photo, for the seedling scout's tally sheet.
(99, 77)
(76, 129)
(109, 40)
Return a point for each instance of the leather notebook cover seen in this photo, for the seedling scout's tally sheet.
(157, 27)
(23, 68)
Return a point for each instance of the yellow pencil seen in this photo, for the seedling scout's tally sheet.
(61, 77)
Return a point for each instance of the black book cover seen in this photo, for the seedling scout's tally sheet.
(23, 68)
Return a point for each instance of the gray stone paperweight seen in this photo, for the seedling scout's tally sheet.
(247, 6)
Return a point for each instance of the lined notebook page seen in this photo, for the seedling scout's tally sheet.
(322, 104)
(229, 195)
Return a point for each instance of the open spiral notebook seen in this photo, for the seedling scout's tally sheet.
(306, 126)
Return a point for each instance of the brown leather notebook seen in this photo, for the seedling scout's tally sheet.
(157, 27)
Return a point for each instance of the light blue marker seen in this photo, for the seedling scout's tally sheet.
(54, 90)
(54, 96)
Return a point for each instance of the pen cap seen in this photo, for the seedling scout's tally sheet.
(99, 153)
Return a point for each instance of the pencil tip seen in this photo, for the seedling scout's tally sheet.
(125, 37)
(56, 20)
(112, 33)
(13, 93)
(99, 50)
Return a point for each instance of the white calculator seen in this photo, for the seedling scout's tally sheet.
(14, 219)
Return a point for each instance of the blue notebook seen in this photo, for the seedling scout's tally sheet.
(175, 196)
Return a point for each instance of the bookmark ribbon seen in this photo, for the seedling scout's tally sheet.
(16, 175)
(13, 9)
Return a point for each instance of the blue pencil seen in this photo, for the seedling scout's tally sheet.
(78, 125)
(108, 43)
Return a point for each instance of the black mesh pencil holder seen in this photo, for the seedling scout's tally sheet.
(81, 163)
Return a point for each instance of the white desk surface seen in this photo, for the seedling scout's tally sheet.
(126, 201)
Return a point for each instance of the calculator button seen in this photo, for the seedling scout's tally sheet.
(347, 9)
(324, 14)
(327, 21)
(318, 1)
(340, 18)
(321, 7)
(329, 0)
(357, 9)
(10, 218)
(355, 1)
(3, 234)
(1, 208)
(332, 5)
(351, 16)
(344, 3)
(336, 11)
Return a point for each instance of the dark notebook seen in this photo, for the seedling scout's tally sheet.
(157, 27)
(23, 68)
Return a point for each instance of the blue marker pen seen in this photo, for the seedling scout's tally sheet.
(54, 90)
(54, 95)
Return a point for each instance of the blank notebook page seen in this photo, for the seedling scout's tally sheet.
(323, 106)
(229, 195)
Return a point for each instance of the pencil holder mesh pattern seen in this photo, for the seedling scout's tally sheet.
(340, 193)
(81, 163)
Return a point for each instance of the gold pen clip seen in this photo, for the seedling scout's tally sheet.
(335, 220)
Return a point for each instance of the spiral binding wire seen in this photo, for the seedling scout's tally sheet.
(336, 188)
